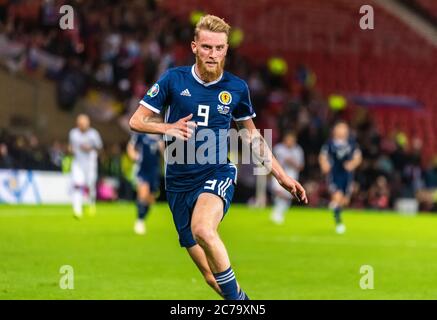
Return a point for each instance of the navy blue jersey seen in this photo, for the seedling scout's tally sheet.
(148, 148)
(180, 92)
(338, 153)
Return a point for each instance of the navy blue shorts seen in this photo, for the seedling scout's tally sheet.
(341, 182)
(221, 183)
(151, 179)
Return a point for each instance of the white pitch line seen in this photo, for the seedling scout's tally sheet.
(348, 242)
(33, 214)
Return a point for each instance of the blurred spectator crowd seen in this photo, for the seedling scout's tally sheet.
(119, 48)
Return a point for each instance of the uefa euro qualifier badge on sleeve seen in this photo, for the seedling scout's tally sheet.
(153, 91)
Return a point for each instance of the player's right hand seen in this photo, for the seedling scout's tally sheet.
(295, 188)
(348, 166)
(325, 168)
(183, 128)
(86, 147)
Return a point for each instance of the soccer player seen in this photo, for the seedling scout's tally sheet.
(338, 159)
(197, 100)
(84, 144)
(291, 157)
(145, 150)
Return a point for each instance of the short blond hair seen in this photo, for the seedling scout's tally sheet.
(212, 23)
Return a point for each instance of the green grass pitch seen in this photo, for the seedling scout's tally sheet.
(302, 259)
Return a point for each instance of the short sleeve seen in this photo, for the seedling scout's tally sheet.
(325, 150)
(356, 150)
(134, 140)
(276, 150)
(71, 137)
(97, 140)
(244, 109)
(156, 97)
(301, 157)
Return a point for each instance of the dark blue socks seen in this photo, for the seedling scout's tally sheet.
(143, 209)
(337, 215)
(228, 285)
(243, 295)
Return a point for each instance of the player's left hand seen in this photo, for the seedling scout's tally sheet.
(295, 188)
(348, 165)
(86, 147)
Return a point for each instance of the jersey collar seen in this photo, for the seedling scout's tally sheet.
(206, 84)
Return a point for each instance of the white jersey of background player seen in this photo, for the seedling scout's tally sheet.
(85, 142)
(291, 157)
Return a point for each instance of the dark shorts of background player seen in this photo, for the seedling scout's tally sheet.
(182, 203)
(341, 182)
(151, 179)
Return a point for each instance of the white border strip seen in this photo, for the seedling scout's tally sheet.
(148, 106)
(206, 84)
(253, 115)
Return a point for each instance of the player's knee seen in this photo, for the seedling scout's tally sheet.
(204, 235)
(143, 199)
(337, 199)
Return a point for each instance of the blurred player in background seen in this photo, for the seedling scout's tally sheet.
(145, 150)
(291, 157)
(84, 144)
(204, 99)
(338, 159)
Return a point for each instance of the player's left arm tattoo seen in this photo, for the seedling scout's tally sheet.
(253, 138)
(146, 121)
(154, 118)
(262, 152)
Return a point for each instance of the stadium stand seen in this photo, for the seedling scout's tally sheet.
(326, 52)
(392, 60)
(430, 6)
